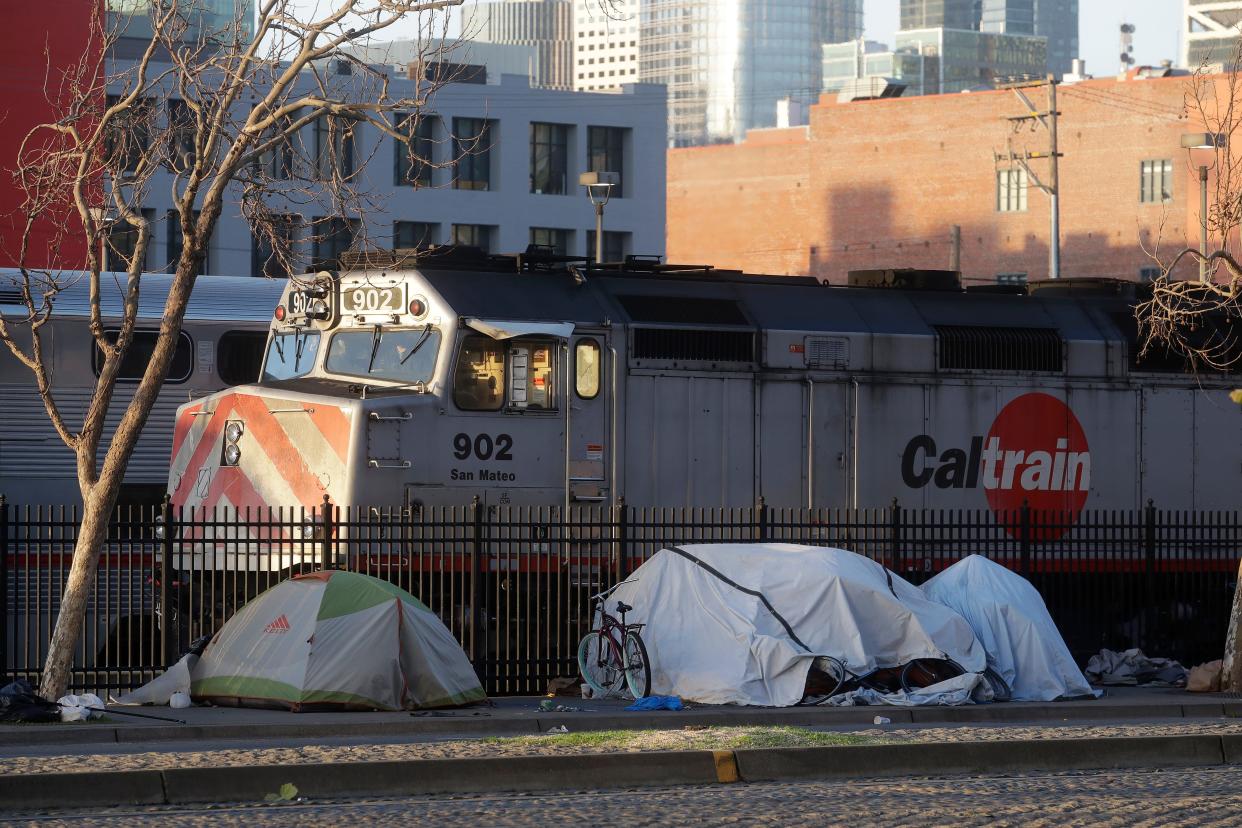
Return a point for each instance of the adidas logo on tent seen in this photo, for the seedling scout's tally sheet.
(280, 625)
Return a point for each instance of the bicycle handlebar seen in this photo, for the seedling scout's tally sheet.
(602, 595)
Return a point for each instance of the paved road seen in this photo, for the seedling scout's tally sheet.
(1199, 797)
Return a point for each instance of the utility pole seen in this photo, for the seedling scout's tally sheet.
(1048, 120)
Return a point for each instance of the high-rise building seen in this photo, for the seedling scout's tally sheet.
(940, 14)
(605, 44)
(1056, 20)
(205, 19)
(1210, 32)
(727, 63)
(545, 25)
(960, 60)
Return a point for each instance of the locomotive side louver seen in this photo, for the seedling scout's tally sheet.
(968, 347)
(693, 345)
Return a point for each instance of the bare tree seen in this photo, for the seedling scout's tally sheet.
(1199, 315)
(219, 116)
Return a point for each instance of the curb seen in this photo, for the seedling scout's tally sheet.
(420, 777)
(468, 725)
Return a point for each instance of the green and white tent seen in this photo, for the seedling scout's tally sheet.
(335, 640)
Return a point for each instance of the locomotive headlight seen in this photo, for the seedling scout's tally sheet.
(233, 431)
(231, 454)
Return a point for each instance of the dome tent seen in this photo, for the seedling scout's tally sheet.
(335, 640)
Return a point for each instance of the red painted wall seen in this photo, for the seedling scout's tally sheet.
(39, 41)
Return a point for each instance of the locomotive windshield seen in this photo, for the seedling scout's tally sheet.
(383, 353)
(290, 355)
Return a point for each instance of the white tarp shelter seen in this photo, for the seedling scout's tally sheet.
(1010, 619)
(738, 623)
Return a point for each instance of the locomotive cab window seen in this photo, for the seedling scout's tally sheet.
(532, 375)
(586, 368)
(517, 374)
(139, 354)
(239, 355)
(479, 381)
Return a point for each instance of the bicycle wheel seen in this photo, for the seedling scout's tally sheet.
(924, 672)
(599, 664)
(637, 666)
(823, 680)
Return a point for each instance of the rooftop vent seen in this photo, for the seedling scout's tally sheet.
(693, 345)
(673, 310)
(971, 348)
(907, 279)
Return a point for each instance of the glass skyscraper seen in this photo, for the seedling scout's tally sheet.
(726, 63)
(205, 19)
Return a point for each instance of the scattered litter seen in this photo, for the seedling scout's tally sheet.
(75, 708)
(1205, 678)
(1132, 667)
(179, 700)
(549, 706)
(20, 703)
(560, 729)
(883, 720)
(546, 705)
(286, 793)
(657, 703)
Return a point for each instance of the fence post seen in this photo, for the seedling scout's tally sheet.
(476, 590)
(895, 537)
(1149, 571)
(619, 518)
(761, 525)
(4, 587)
(325, 543)
(1024, 539)
(168, 641)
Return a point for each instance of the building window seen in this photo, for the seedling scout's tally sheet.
(472, 153)
(276, 161)
(1155, 181)
(1011, 278)
(1011, 190)
(473, 235)
(272, 249)
(123, 241)
(605, 153)
(182, 130)
(334, 148)
(553, 237)
(411, 234)
(616, 245)
(1149, 274)
(549, 158)
(128, 135)
(176, 242)
(413, 161)
(333, 237)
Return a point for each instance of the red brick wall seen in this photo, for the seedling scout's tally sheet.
(880, 183)
(39, 42)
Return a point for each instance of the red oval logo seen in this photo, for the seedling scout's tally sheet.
(1037, 452)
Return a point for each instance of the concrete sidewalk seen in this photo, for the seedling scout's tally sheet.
(520, 715)
(1177, 729)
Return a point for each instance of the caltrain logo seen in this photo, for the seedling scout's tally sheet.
(1035, 452)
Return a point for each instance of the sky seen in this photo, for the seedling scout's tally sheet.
(1155, 38)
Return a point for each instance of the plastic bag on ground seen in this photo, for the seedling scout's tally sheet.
(657, 703)
(79, 708)
(20, 703)
(1205, 678)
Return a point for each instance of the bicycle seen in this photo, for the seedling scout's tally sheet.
(614, 654)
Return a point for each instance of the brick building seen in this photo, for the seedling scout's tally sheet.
(881, 183)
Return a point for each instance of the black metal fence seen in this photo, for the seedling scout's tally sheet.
(513, 583)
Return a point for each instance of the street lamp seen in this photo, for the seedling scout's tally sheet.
(599, 187)
(1212, 141)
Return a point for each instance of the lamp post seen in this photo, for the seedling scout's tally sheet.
(599, 187)
(1200, 141)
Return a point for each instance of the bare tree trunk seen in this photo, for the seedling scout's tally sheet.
(92, 534)
(1231, 666)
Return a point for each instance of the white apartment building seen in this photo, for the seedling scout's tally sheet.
(606, 44)
(504, 174)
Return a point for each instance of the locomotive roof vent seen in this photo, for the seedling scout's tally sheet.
(1083, 286)
(677, 310)
(980, 348)
(906, 279)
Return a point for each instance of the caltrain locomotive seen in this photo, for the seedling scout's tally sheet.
(437, 377)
